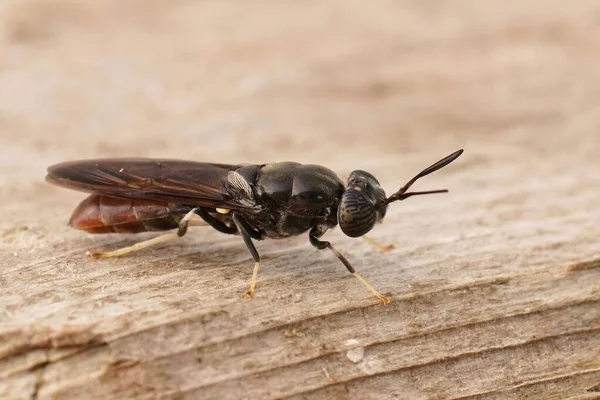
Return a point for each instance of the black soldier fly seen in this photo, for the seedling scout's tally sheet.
(257, 202)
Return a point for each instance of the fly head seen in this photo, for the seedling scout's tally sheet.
(364, 203)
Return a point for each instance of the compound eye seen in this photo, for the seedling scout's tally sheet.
(356, 214)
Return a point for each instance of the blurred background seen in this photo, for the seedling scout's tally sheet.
(337, 83)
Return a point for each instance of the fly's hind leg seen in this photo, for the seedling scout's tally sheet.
(182, 230)
(245, 230)
(321, 245)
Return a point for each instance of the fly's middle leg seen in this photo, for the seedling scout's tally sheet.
(244, 230)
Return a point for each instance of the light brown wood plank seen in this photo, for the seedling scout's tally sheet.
(495, 285)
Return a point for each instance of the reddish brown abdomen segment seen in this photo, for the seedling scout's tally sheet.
(102, 214)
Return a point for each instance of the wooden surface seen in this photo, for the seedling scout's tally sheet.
(495, 286)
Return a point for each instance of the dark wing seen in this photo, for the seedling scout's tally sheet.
(173, 181)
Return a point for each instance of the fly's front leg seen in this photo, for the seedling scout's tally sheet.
(376, 244)
(181, 231)
(321, 245)
(243, 228)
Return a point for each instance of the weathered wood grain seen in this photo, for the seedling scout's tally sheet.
(495, 286)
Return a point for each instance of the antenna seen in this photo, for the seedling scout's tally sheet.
(401, 194)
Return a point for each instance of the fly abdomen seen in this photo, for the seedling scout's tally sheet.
(103, 214)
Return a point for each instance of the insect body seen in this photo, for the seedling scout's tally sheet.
(257, 202)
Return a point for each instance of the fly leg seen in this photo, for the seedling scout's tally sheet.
(182, 230)
(215, 223)
(376, 244)
(321, 245)
(245, 230)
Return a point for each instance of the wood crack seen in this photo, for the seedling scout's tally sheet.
(466, 355)
(531, 383)
(441, 360)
